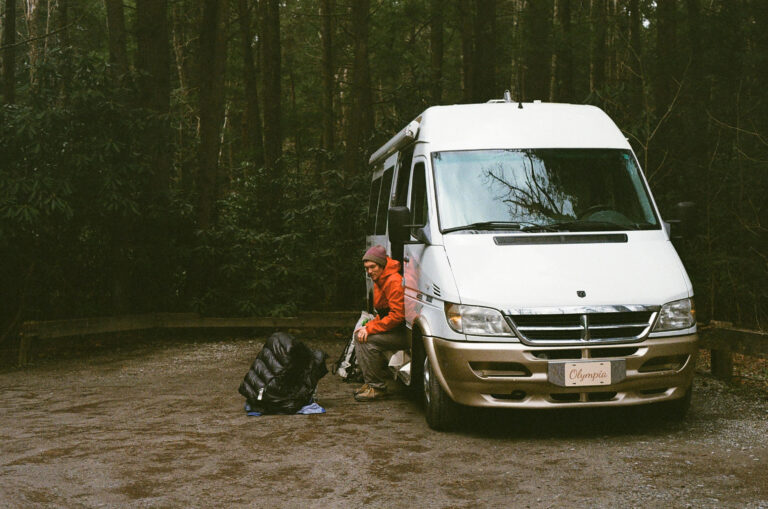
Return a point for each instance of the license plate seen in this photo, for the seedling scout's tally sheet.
(581, 374)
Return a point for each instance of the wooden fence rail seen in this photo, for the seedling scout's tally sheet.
(720, 337)
(84, 326)
(723, 340)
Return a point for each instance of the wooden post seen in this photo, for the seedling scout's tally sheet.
(721, 356)
(25, 340)
(722, 364)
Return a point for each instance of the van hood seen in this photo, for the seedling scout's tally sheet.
(644, 270)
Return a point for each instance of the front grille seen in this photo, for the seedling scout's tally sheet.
(588, 327)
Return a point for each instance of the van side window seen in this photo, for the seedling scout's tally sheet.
(419, 196)
(386, 189)
(374, 199)
(404, 175)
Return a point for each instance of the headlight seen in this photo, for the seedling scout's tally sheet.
(476, 320)
(679, 314)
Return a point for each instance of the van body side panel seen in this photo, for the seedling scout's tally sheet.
(428, 285)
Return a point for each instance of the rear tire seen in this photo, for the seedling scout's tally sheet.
(441, 411)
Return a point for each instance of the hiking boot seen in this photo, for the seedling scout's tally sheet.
(361, 389)
(371, 394)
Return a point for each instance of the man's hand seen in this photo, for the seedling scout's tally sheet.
(361, 334)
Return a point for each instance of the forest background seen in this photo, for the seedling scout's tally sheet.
(211, 155)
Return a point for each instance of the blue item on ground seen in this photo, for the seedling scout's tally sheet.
(312, 408)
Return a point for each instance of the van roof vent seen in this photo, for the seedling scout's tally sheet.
(507, 98)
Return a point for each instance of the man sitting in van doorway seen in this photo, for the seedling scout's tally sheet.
(384, 332)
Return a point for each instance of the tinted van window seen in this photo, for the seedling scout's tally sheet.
(373, 200)
(381, 216)
(419, 196)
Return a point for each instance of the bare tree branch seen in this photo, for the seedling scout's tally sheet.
(44, 36)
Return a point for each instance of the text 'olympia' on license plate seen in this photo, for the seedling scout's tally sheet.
(587, 373)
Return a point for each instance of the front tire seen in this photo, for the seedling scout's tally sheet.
(441, 411)
(416, 387)
(677, 409)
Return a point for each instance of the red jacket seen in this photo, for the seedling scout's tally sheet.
(388, 294)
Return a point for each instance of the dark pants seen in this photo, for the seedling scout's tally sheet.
(370, 355)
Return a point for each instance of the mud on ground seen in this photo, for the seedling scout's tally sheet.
(159, 423)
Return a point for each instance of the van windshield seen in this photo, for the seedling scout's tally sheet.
(541, 190)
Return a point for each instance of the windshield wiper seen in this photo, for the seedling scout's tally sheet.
(491, 225)
(533, 227)
(558, 226)
(587, 225)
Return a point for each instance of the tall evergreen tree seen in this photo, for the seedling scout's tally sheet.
(436, 50)
(537, 52)
(9, 52)
(484, 61)
(252, 118)
(213, 40)
(327, 8)
(118, 52)
(360, 112)
(271, 65)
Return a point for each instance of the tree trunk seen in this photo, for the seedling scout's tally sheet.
(9, 52)
(62, 23)
(253, 129)
(271, 64)
(436, 51)
(184, 56)
(152, 55)
(118, 54)
(211, 97)
(466, 15)
(153, 60)
(537, 26)
(36, 32)
(636, 76)
(329, 123)
(484, 86)
(360, 123)
(597, 69)
(564, 67)
(269, 34)
(697, 116)
(666, 49)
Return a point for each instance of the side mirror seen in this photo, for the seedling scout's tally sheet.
(682, 226)
(399, 229)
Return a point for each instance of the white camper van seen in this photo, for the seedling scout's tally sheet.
(537, 270)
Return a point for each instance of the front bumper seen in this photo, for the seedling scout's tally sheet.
(514, 375)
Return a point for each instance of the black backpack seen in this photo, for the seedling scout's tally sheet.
(284, 376)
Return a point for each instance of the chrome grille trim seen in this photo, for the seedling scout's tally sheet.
(579, 310)
(582, 325)
(622, 326)
(549, 328)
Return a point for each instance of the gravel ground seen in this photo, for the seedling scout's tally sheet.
(159, 423)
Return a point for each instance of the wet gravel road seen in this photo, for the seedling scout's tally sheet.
(160, 424)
